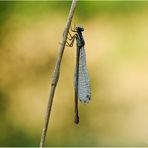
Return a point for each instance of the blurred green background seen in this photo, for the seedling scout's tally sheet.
(117, 57)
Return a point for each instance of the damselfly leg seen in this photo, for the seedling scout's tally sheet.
(71, 39)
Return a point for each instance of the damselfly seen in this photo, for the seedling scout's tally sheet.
(81, 78)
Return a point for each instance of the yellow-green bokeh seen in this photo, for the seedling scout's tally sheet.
(117, 57)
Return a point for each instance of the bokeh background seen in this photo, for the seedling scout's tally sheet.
(116, 34)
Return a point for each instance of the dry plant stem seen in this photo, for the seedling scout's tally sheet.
(57, 73)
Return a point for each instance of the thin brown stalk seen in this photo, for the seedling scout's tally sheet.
(56, 73)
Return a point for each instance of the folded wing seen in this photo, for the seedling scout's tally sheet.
(83, 80)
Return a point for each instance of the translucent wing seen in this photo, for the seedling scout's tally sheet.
(83, 80)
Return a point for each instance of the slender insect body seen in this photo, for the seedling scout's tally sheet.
(82, 81)
(81, 78)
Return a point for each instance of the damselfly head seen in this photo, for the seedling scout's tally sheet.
(79, 28)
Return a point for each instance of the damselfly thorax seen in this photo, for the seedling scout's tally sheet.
(81, 78)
